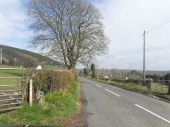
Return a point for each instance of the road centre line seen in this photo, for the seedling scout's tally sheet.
(112, 92)
(153, 113)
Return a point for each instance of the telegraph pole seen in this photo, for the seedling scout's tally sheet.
(144, 59)
(1, 55)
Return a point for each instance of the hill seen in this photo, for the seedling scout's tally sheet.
(16, 57)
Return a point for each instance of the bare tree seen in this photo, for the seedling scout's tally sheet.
(69, 30)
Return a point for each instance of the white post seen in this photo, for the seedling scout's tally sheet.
(30, 93)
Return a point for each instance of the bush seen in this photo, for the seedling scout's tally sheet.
(49, 80)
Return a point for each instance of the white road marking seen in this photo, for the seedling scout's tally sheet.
(112, 92)
(98, 86)
(153, 113)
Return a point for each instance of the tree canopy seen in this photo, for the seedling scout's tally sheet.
(68, 30)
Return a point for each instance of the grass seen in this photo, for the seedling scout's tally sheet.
(56, 105)
(128, 86)
(6, 66)
(35, 115)
(53, 67)
(156, 89)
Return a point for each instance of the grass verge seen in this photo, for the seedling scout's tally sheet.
(155, 89)
(55, 106)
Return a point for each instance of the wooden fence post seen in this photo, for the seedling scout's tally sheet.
(30, 92)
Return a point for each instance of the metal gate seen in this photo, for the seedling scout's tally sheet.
(11, 80)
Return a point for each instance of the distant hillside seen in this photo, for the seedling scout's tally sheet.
(17, 57)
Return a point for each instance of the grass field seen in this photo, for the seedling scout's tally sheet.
(53, 67)
(10, 73)
(156, 87)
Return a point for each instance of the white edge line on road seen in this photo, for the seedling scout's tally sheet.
(153, 113)
(112, 92)
(98, 86)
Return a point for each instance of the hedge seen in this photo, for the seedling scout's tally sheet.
(53, 80)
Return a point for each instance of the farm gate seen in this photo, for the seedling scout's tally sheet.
(11, 82)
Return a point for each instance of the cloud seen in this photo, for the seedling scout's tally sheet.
(124, 22)
(13, 26)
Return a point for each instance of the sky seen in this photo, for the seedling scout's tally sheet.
(14, 30)
(124, 22)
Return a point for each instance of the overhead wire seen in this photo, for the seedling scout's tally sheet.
(148, 32)
(158, 26)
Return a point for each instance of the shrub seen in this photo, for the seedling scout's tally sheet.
(93, 69)
(53, 80)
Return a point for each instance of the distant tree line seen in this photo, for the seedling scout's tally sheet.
(89, 71)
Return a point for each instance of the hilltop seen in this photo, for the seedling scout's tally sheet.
(17, 57)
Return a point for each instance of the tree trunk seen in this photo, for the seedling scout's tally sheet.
(71, 68)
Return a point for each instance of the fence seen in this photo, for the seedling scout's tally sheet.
(11, 82)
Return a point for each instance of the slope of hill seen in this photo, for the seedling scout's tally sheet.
(17, 57)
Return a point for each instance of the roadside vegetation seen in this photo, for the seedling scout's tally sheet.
(60, 101)
(156, 88)
(56, 105)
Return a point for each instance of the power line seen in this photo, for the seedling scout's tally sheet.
(158, 26)
(132, 41)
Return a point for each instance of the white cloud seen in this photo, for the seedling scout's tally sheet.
(13, 25)
(124, 22)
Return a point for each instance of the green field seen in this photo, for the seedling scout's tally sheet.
(53, 67)
(156, 87)
(4, 80)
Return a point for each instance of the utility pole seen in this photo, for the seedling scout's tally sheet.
(1, 55)
(144, 59)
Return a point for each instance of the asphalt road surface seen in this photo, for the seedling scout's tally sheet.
(109, 106)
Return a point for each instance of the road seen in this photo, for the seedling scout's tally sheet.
(109, 106)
